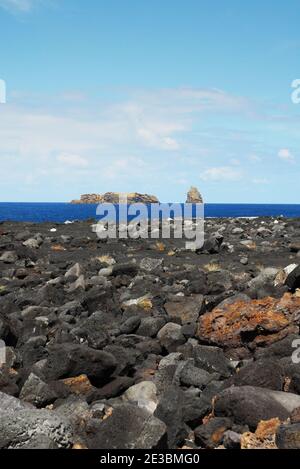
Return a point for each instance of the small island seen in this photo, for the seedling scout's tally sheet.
(115, 197)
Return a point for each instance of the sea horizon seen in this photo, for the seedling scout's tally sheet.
(60, 212)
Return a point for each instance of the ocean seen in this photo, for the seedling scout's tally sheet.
(62, 212)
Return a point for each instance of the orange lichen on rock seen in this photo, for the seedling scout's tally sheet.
(267, 428)
(258, 322)
(264, 436)
(78, 385)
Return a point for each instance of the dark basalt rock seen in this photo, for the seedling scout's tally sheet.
(213, 334)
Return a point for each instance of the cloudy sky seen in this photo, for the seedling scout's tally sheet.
(150, 96)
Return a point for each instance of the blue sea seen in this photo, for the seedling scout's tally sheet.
(61, 212)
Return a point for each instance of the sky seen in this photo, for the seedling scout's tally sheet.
(150, 96)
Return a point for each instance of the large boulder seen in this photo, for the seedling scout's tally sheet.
(128, 427)
(23, 426)
(71, 360)
(248, 405)
(255, 323)
(265, 373)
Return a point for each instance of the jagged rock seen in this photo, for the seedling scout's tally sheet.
(9, 257)
(128, 427)
(74, 271)
(190, 375)
(259, 322)
(194, 196)
(79, 284)
(211, 434)
(212, 359)
(185, 309)
(170, 411)
(71, 360)
(144, 394)
(213, 243)
(37, 392)
(149, 327)
(19, 429)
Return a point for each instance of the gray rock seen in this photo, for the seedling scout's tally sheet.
(265, 373)
(9, 257)
(288, 436)
(265, 277)
(237, 231)
(233, 299)
(74, 271)
(211, 434)
(244, 260)
(18, 429)
(149, 327)
(144, 394)
(232, 440)
(32, 243)
(186, 309)
(12, 404)
(150, 264)
(93, 331)
(190, 375)
(129, 427)
(247, 405)
(170, 360)
(37, 392)
(32, 312)
(71, 360)
(170, 411)
(130, 325)
(212, 359)
(79, 284)
(22, 235)
(171, 337)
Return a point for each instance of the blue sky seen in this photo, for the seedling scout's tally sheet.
(150, 96)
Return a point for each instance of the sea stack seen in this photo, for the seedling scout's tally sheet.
(194, 196)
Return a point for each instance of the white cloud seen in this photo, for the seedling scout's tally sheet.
(221, 173)
(90, 144)
(285, 155)
(19, 5)
(255, 158)
(260, 181)
(235, 161)
(72, 160)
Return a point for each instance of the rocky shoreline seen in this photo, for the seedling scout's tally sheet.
(145, 344)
